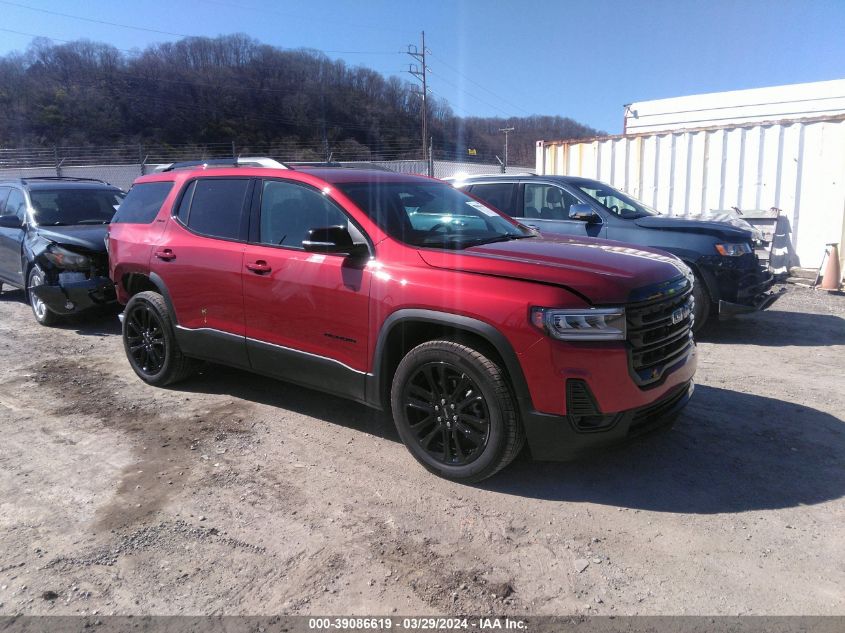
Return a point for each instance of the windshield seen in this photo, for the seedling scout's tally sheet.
(615, 201)
(431, 214)
(60, 207)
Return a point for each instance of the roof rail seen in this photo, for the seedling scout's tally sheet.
(25, 179)
(240, 161)
(335, 165)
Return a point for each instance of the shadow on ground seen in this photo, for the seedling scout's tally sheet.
(94, 322)
(217, 379)
(728, 452)
(773, 328)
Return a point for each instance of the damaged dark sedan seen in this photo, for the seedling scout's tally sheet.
(52, 243)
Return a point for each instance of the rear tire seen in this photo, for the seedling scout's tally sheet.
(702, 305)
(42, 313)
(455, 412)
(149, 340)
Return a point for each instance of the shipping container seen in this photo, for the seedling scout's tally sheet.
(796, 165)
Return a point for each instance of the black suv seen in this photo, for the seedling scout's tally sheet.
(52, 242)
(729, 277)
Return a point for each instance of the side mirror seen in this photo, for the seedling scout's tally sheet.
(10, 222)
(583, 213)
(332, 239)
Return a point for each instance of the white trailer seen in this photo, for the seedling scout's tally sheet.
(794, 164)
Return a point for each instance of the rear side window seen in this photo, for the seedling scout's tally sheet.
(4, 193)
(185, 202)
(16, 205)
(142, 203)
(217, 207)
(499, 194)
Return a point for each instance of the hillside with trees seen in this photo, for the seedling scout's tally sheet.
(294, 104)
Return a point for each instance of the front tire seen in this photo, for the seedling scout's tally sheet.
(455, 412)
(42, 313)
(149, 340)
(702, 305)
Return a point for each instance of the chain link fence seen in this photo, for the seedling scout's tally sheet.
(120, 165)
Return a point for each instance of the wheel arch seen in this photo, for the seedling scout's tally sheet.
(709, 279)
(136, 282)
(405, 329)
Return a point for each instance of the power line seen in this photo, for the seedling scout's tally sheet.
(472, 81)
(421, 73)
(160, 32)
(55, 39)
(95, 21)
(506, 131)
(471, 95)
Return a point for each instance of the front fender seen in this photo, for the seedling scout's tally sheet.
(375, 384)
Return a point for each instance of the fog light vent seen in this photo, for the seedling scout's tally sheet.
(582, 409)
(579, 398)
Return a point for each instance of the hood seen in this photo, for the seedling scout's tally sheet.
(725, 230)
(601, 271)
(91, 237)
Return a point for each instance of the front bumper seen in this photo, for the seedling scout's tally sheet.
(762, 301)
(555, 438)
(739, 287)
(76, 296)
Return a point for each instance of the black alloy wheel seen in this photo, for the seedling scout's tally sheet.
(455, 411)
(150, 341)
(447, 413)
(145, 339)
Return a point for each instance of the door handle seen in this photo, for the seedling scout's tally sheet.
(260, 267)
(165, 254)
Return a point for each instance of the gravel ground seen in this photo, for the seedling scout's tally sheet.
(235, 494)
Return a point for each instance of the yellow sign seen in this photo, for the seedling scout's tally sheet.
(472, 152)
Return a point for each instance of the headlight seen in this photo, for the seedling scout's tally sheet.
(65, 259)
(598, 324)
(734, 249)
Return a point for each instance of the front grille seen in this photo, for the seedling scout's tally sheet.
(660, 329)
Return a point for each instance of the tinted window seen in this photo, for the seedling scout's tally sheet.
(289, 211)
(64, 207)
(142, 203)
(217, 207)
(16, 205)
(4, 193)
(185, 202)
(499, 194)
(547, 202)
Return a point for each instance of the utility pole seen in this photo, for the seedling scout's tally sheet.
(420, 72)
(506, 130)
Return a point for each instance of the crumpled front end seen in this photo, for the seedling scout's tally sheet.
(72, 291)
(739, 285)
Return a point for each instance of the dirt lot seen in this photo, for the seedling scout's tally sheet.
(234, 494)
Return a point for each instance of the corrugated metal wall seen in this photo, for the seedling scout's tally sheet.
(797, 166)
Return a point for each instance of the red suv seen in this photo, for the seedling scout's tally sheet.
(408, 295)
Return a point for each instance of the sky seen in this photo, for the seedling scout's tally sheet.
(584, 60)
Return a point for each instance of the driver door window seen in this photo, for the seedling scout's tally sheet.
(289, 211)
